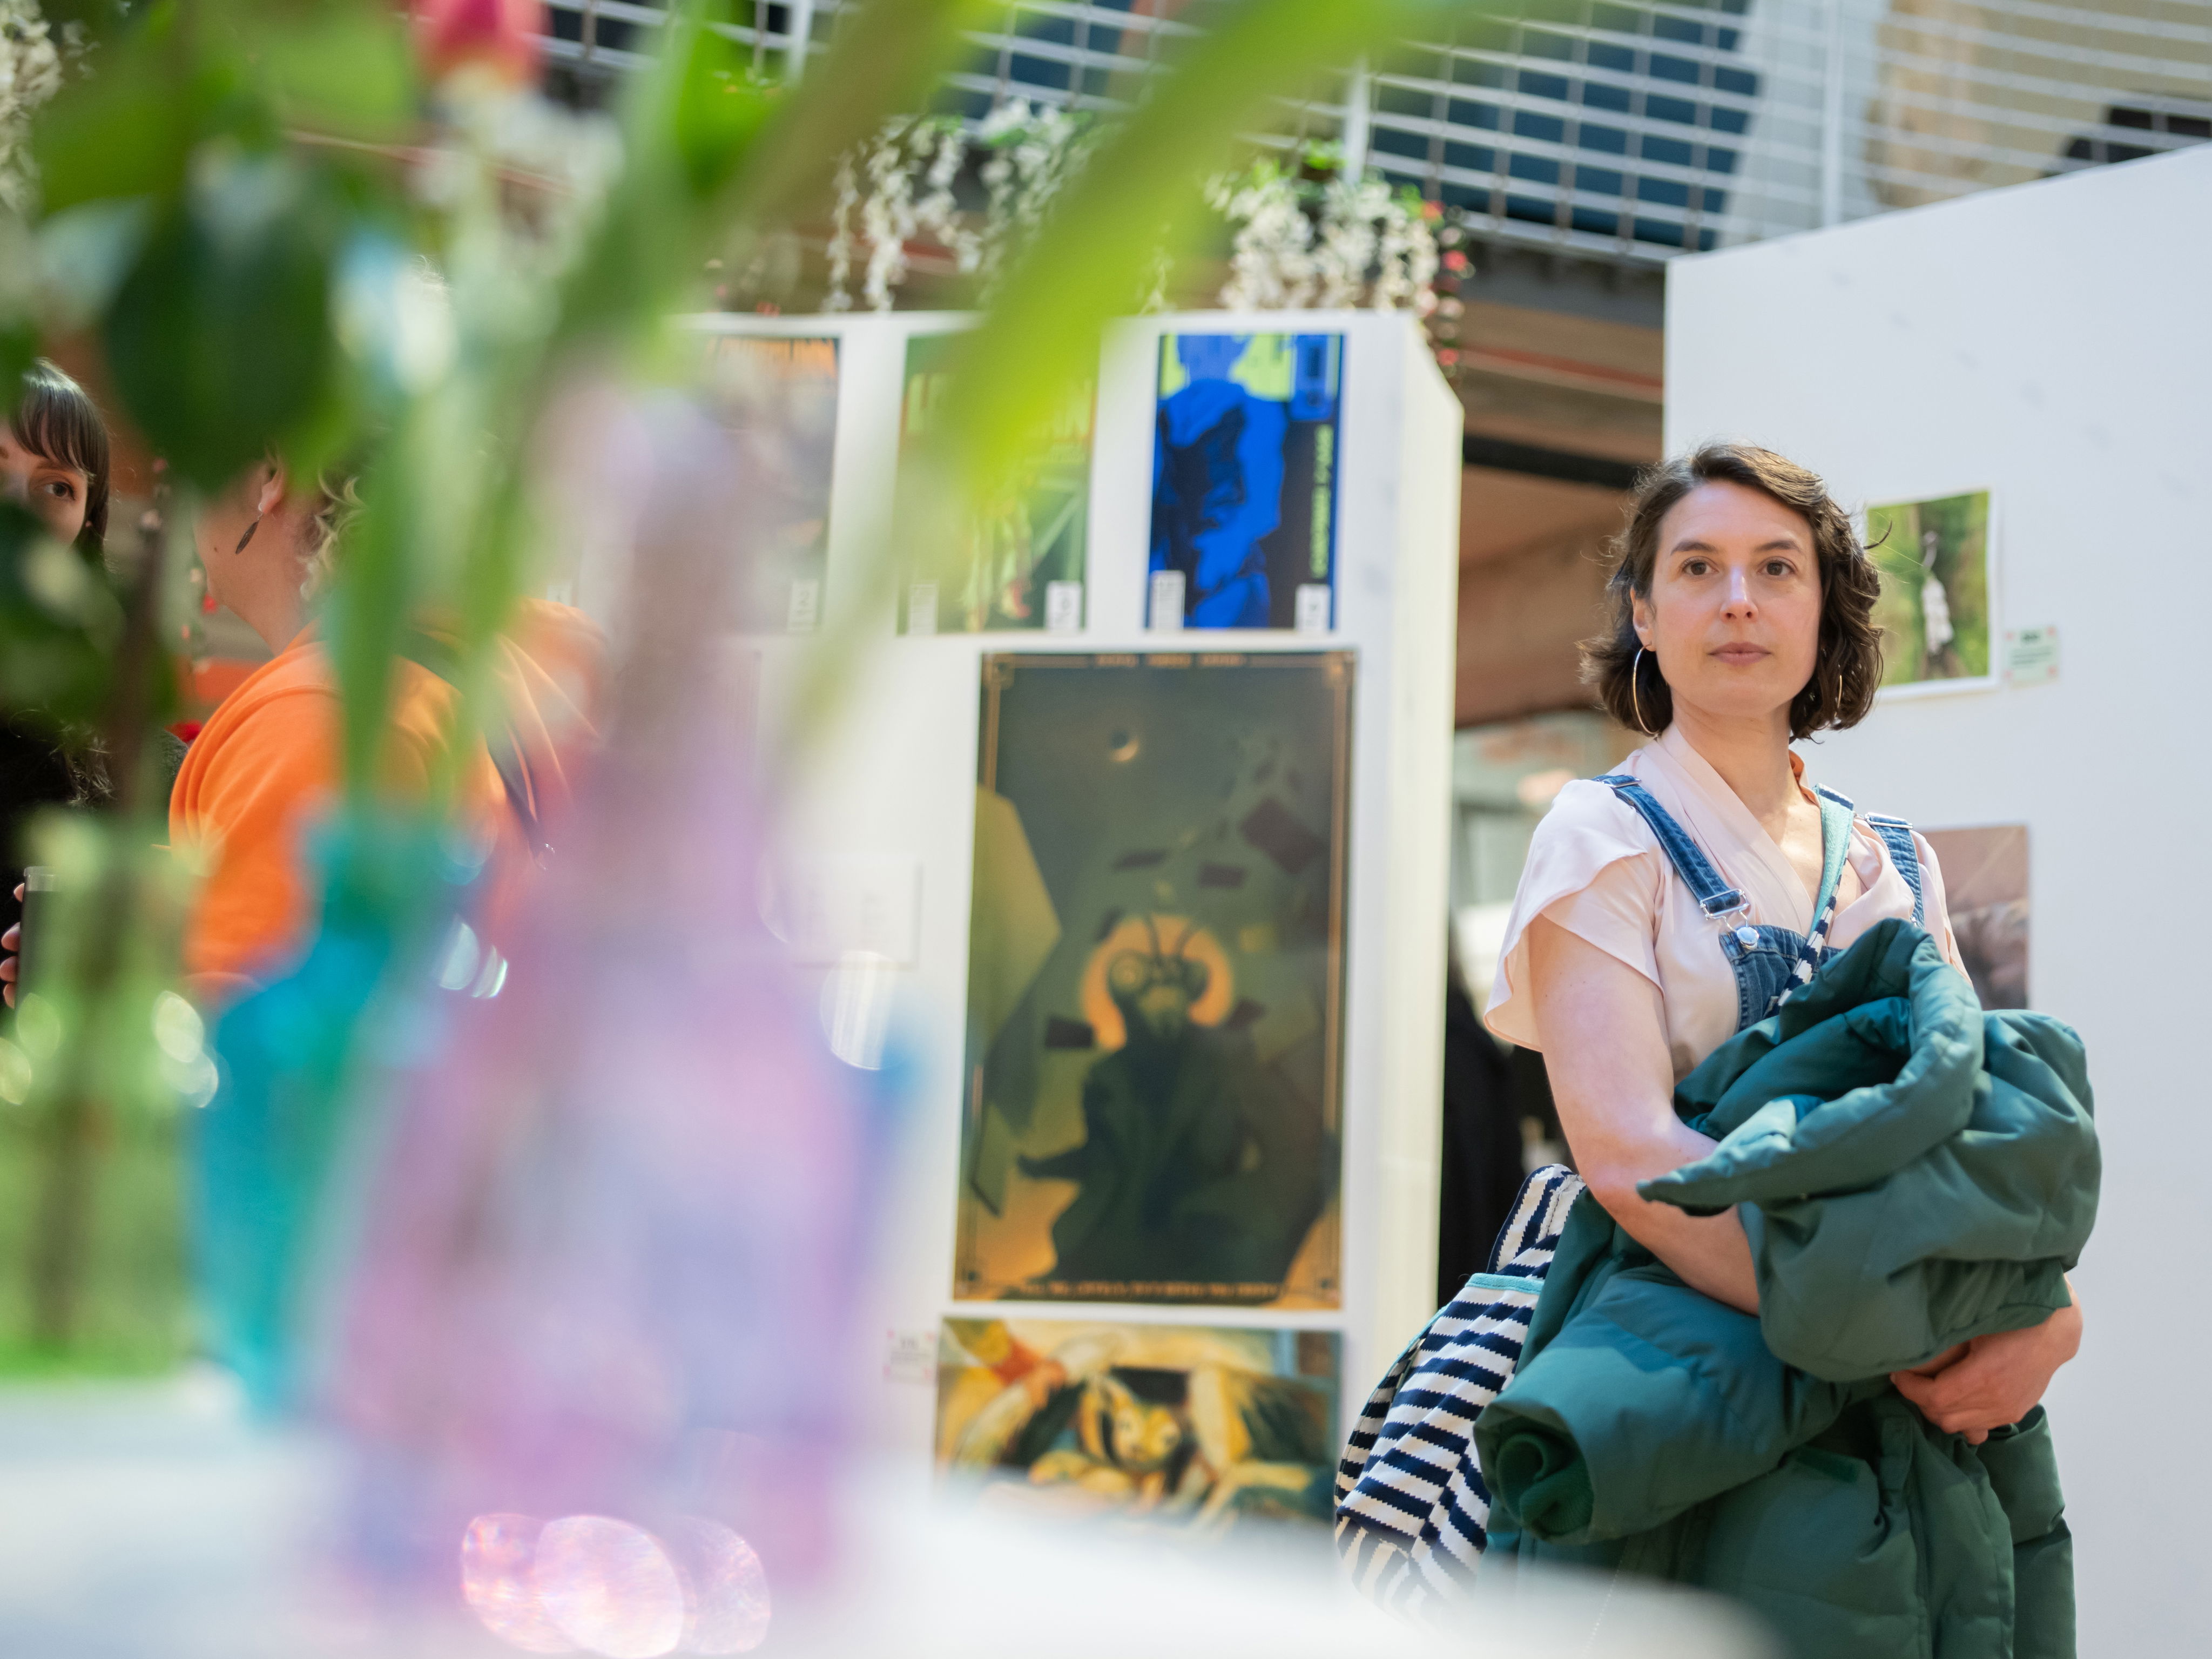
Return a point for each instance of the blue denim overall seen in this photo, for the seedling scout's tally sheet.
(1770, 962)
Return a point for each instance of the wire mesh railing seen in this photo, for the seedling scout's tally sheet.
(1626, 130)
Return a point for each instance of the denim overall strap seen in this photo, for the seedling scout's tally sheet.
(1714, 897)
(1896, 836)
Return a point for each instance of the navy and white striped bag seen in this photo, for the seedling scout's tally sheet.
(1411, 1508)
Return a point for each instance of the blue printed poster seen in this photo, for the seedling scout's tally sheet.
(1244, 486)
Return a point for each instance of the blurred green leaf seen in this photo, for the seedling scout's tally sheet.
(84, 252)
(58, 624)
(719, 110)
(19, 345)
(220, 338)
(342, 71)
(129, 129)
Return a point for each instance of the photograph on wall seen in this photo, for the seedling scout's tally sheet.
(1156, 966)
(1934, 609)
(1985, 887)
(780, 395)
(1187, 1428)
(1018, 560)
(1244, 481)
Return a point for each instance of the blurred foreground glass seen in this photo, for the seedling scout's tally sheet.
(611, 1232)
(97, 1070)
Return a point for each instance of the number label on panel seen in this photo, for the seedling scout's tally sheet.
(922, 608)
(805, 613)
(1063, 607)
(1313, 608)
(1167, 602)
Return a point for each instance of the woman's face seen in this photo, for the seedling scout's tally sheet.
(1733, 616)
(52, 489)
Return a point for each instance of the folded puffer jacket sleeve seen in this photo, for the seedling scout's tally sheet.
(1651, 1398)
(1865, 1269)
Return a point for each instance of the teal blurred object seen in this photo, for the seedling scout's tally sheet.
(300, 1058)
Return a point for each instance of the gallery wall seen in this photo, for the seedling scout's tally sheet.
(879, 821)
(2048, 344)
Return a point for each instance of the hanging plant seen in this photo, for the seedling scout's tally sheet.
(1317, 238)
(1297, 237)
(30, 63)
(903, 187)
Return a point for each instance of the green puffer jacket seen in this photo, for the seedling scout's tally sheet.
(1911, 1172)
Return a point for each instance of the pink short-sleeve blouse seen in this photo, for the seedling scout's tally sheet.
(1596, 870)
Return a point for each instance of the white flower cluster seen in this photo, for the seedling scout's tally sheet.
(905, 154)
(30, 73)
(1294, 244)
(908, 170)
(1034, 152)
(1349, 242)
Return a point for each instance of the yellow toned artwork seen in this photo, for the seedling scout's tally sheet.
(1186, 1427)
(1155, 980)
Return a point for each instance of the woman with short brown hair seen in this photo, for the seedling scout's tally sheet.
(1682, 898)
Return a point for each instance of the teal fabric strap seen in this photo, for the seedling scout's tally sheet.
(1835, 845)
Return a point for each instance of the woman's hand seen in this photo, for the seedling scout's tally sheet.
(1993, 1381)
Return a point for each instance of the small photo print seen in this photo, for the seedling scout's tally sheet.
(779, 394)
(1934, 608)
(1985, 887)
(1014, 551)
(1244, 475)
(1189, 1429)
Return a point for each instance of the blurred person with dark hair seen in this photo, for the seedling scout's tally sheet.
(54, 463)
(267, 764)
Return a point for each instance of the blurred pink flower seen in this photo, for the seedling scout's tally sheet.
(502, 35)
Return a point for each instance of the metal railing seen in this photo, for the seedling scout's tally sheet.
(1632, 130)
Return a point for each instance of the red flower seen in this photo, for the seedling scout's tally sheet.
(1455, 261)
(503, 35)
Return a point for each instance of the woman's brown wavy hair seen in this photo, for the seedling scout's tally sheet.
(1847, 663)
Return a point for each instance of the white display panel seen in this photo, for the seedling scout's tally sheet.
(888, 791)
(2049, 343)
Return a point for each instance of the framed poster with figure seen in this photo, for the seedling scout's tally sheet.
(1245, 482)
(1934, 609)
(1156, 969)
(1017, 562)
(1169, 1428)
(779, 393)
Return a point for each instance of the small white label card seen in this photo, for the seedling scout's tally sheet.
(1063, 607)
(2031, 655)
(1167, 602)
(922, 608)
(1312, 615)
(833, 904)
(805, 613)
(910, 1357)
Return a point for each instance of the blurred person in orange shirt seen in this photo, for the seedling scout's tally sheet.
(267, 764)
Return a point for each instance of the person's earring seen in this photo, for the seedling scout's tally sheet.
(1636, 694)
(247, 537)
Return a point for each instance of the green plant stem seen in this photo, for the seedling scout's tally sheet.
(60, 1243)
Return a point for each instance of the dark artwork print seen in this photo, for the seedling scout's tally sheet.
(1155, 979)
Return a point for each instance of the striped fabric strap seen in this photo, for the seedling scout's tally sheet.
(1412, 1510)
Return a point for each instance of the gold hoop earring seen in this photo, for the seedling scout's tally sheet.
(1636, 694)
